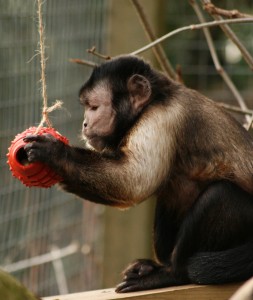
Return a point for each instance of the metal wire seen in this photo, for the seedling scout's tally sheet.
(35, 220)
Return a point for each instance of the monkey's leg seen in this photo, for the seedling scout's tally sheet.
(144, 274)
(215, 241)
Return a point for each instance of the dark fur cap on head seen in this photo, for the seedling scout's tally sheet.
(118, 70)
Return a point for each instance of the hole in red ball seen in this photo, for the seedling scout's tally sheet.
(22, 157)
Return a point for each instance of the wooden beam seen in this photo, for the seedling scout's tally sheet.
(186, 292)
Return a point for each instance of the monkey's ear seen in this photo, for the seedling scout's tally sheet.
(140, 91)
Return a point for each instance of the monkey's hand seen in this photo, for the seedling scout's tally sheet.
(145, 274)
(44, 148)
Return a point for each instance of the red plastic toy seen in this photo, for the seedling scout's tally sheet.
(32, 174)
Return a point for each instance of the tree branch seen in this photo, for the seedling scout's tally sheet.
(190, 27)
(214, 10)
(158, 50)
(216, 61)
(93, 51)
(83, 62)
(236, 109)
(228, 31)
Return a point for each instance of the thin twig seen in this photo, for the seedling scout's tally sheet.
(215, 58)
(248, 112)
(214, 10)
(93, 51)
(190, 27)
(236, 109)
(158, 50)
(83, 62)
(179, 74)
(228, 31)
(250, 124)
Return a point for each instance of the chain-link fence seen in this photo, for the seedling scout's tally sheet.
(51, 240)
(47, 237)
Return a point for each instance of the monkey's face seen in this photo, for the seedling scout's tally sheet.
(99, 116)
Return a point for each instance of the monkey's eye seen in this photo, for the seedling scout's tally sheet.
(93, 108)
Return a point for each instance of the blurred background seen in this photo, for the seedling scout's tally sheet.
(54, 242)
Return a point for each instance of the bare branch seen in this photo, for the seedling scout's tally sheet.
(93, 51)
(179, 76)
(215, 58)
(83, 62)
(250, 124)
(248, 112)
(229, 33)
(236, 109)
(88, 63)
(214, 10)
(191, 27)
(158, 50)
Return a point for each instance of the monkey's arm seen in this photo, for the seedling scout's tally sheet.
(133, 175)
(82, 170)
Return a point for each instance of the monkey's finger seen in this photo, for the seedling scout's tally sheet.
(131, 275)
(45, 137)
(134, 267)
(31, 145)
(31, 156)
(34, 137)
(142, 271)
(127, 286)
(145, 270)
(139, 268)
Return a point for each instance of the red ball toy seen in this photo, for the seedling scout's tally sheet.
(32, 174)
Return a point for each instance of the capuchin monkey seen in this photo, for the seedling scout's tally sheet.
(148, 135)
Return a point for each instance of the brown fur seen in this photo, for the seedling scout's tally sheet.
(148, 135)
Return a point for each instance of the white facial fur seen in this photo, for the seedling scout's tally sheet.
(99, 116)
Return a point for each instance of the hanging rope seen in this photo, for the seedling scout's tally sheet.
(58, 103)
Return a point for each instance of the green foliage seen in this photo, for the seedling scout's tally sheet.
(11, 289)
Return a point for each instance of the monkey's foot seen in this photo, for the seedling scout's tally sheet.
(145, 274)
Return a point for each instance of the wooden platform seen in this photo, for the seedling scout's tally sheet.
(186, 292)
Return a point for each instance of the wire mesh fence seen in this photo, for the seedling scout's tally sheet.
(49, 239)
